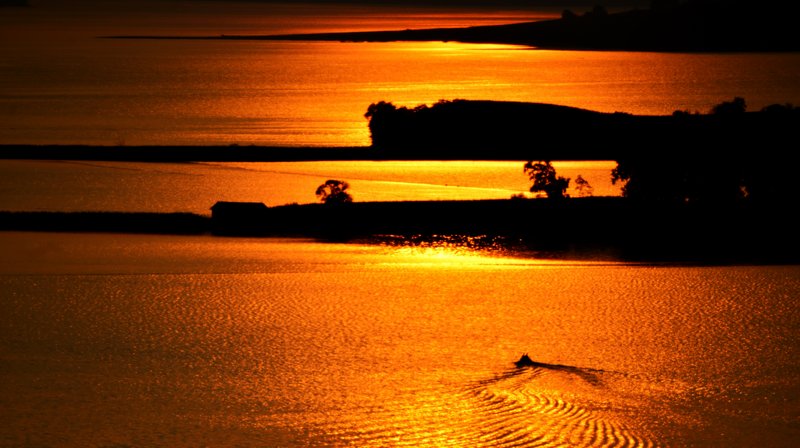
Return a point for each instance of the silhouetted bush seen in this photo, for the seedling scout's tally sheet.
(736, 106)
(680, 180)
(545, 179)
(779, 109)
(334, 192)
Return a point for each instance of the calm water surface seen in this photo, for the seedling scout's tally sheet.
(113, 340)
(60, 84)
(195, 187)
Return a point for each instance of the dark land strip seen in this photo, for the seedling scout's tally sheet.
(708, 188)
(616, 228)
(527, 131)
(111, 222)
(670, 26)
(180, 154)
(498, 130)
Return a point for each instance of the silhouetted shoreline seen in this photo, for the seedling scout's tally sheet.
(671, 26)
(712, 187)
(494, 130)
(101, 222)
(529, 131)
(254, 153)
(616, 228)
(193, 153)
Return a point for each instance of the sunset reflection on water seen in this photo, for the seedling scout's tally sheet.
(454, 251)
(316, 93)
(189, 341)
(142, 340)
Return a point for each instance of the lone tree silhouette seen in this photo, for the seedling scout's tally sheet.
(734, 107)
(582, 187)
(545, 180)
(334, 192)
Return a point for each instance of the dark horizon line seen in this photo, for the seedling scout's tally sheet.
(256, 153)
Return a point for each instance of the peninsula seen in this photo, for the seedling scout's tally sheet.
(497, 130)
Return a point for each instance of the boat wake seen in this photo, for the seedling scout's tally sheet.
(534, 406)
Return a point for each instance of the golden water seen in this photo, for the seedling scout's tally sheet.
(121, 340)
(159, 341)
(151, 187)
(61, 85)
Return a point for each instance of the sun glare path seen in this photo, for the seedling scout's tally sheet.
(478, 252)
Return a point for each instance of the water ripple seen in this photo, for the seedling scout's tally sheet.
(516, 408)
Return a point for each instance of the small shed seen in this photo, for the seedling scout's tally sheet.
(238, 218)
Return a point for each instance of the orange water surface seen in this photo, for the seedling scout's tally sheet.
(60, 84)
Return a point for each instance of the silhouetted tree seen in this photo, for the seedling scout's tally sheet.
(620, 174)
(379, 108)
(684, 113)
(779, 108)
(334, 192)
(380, 116)
(730, 157)
(686, 180)
(545, 180)
(737, 106)
(652, 179)
(582, 187)
(389, 124)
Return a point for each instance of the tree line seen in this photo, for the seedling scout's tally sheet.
(727, 155)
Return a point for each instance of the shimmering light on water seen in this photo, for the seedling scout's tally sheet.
(163, 341)
(131, 340)
(63, 85)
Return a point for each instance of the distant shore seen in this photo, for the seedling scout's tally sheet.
(689, 26)
(615, 227)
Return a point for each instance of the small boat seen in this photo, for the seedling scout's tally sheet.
(525, 361)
